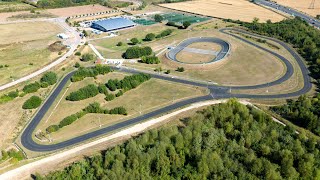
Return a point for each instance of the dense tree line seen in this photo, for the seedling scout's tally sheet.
(304, 112)
(64, 3)
(82, 72)
(128, 82)
(136, 52)
(150, 59)
(298, 33)
(91, 108)
(226, 141)
(83, 93)
(32, 103)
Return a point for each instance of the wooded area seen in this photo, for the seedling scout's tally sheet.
(226, 141)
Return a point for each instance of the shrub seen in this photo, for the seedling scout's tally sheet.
(52, 128)
(158, 18)
(109, 97)
(78, 53)
(180, 69)
(44, 85)
(119, 44)
(168, 71)
(102, 89)
(134, 41)
(164, 33)
(118, 110)
(120, 93)
(32, 103)
(150, 59)
(30, 88)
(87, 57)
(77, 65)
(13, 94)
(82, 73)
(49, 77)
(186, 24)
(136, 52)
(150, 37)
(68, 120)
(83, 93)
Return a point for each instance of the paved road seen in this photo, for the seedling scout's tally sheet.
(216, 92)
(311, 20)
(225, 47)
(73, 47)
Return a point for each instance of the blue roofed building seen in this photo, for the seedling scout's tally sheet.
(112, 24)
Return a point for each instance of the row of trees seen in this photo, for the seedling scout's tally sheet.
(63, 3)
(304, 112)
(82, 72)
(49, 78)
(128, 82)
(83, 93)
(136, 52)
(91, 108)
(226, 141)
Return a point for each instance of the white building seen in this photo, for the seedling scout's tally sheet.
(62, 36)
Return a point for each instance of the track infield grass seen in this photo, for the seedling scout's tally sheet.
(149, 96)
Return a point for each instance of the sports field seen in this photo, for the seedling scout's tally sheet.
(302, 5)
(182, 17)
(228, 9)
(144, 22)
(24, 48)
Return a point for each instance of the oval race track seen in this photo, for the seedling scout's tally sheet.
(216, 92)
(225, 48)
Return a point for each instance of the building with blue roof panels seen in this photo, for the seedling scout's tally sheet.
(112, 24)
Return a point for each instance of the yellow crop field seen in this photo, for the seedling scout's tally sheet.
(227, 9)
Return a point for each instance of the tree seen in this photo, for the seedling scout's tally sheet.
(77, 65)
(32, 103)
(150, 37)
(85, 33)
(180, 69)
(87, 57)
(49, 77)
(119, 43)
(134, 41)
(186, 24)
(158, 18)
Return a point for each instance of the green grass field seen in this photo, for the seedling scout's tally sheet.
(180, 18)
(144, 22)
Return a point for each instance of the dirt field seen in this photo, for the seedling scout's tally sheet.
(194, 58)
(153, 97)
(206, 46)
(228, 9)
(302, 5)
(24, 48)
(78, 10)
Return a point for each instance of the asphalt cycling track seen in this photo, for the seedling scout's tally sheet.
(225, 47)
(216, 92)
